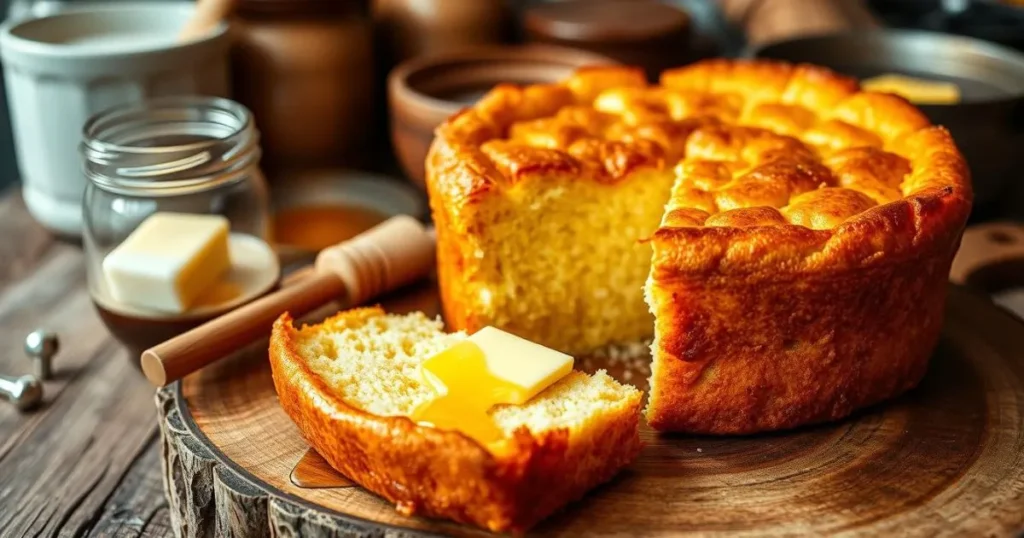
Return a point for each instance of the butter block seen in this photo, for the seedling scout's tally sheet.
(521, 362)
(169, 261)
(916, 90)
(488, 368)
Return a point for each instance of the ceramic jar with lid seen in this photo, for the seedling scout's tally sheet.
(650, 34)
(306, 70)
(425, 27)
(426, 90)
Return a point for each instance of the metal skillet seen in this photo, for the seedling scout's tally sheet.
(1005, 6)
(987, 124)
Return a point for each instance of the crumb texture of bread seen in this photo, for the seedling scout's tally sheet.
(350, 383)
(562, 261)
(807, 225)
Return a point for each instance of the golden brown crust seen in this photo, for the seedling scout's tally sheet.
(771, 351)
(768, 327)
(789, 178)
(604, 123)
(439, 473)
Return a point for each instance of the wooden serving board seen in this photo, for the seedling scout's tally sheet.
(947, 458)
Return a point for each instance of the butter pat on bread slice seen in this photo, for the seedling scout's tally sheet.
(490, 367)
(351, 383)
(528, 365)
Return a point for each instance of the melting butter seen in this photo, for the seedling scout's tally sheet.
(489, 368)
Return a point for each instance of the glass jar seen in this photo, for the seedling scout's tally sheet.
(183, 155)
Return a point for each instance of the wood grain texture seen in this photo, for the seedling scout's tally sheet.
(945, 459)
(313, 471)
(137, 507)
(32, 243)
(86, 463)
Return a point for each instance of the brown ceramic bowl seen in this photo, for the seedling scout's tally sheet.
(425, 91)
(646, 33)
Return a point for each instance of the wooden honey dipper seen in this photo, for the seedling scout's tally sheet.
(207, 15)
(388, 256)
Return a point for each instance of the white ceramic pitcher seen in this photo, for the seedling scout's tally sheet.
(63, 68)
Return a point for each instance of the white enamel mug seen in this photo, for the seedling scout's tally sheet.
(63, 68)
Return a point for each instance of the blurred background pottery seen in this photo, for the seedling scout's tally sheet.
(410, 28)
(646, 33)
(62, 68)
(999, 21)
(27, 9)
(306, 70)
(426, 90)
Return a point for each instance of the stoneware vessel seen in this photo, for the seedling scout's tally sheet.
(424, 91)
(63, 68)
(649, 34)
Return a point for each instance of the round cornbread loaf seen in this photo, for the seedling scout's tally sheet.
(793, 233)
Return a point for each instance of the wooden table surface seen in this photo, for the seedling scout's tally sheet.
(88, 462)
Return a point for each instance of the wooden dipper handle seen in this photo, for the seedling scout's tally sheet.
(207, 15)
(386, 257)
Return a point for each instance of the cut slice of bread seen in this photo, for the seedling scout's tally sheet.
(351, 382)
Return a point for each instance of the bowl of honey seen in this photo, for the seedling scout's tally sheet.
(315, 209)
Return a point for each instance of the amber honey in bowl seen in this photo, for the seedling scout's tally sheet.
(315, 209)
(317, 227)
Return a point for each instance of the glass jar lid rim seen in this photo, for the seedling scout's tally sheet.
(169, 144)
(148, 105)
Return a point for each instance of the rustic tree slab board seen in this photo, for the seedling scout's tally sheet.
(947, 458)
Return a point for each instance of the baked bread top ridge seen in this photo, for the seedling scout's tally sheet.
(777, 166)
